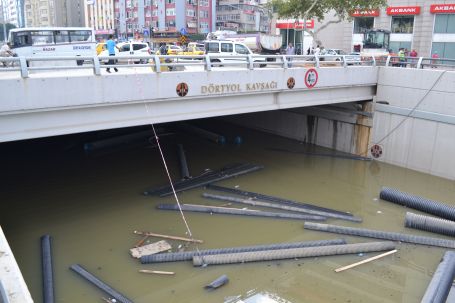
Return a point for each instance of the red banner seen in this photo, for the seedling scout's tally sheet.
(293, 24)
(442, 8)
(365, 13)
(403, 10)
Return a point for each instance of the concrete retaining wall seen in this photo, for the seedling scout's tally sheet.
(425, 141)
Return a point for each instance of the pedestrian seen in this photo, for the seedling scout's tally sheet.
(402, 57)
(5, 51)
(290, 50)
(111, 46)
(317, 51)
(413, 53)
(434, 62)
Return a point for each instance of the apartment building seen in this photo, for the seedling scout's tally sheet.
(242, 16)
(426, 26)
(164, 18)
(99, 14)
(69, 13)
(13, 12)
(39, 13)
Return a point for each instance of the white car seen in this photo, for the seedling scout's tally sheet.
(224, 48)
(131, 48)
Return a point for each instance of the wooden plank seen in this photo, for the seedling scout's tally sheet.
(159, 272)
(366, 261)
(150, 249)
(144, 233)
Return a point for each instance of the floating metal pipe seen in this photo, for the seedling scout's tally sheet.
(292, 253)
(100, 284)
(439, 287)
(237, 211)
(350, 157)
(429, 206)
(283, 207)
(245, 169)
(109, 142)
(48, 273)
(203, 133)
(362, 232)
(204, 179)
(184, 172)
(188, 255)
(218, 282)
(434, 225)
(275, 199)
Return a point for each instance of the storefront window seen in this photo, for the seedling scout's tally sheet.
(402, 24)
(444, 50)
(396, 45)
(362, 24)
(445, 24)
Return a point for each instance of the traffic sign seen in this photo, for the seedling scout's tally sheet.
(183, 31)
(311, 78)
(146, 32)
(183, 39)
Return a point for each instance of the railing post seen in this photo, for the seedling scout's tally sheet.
(96, 66)
(208, 64)
(344, 61)
(250, 62)
(387, 62)
(419, 63)
(23, 66)
(374, 60)
(316, 59)
(157, 63)
(285, 62)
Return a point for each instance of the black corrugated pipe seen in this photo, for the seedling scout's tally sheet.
(237, 211)
(100, 284)
(292, 253)
(283, 207)
(48, 273)
(434, 225)
(183, 164)
(439, 287)
(275, 199)
(378, 234)
(429, 206)
(223, 174)
(188, 255)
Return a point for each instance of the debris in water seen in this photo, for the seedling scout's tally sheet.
(218, 282)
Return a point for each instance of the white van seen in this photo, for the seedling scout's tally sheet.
(226, 48)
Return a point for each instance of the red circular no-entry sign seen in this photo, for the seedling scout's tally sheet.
(311, 78)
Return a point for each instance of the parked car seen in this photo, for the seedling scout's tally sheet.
(173, 49)
(225, 48)
(131, 48)
(332, 52)
(353, 58)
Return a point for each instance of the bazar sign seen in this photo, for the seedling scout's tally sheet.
(442, 8)
(294, 24)
(365, 13)
(403, 10)
(235, 88)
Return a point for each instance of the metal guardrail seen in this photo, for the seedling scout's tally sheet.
(164, 63)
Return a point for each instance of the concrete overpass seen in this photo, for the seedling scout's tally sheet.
(58, 102)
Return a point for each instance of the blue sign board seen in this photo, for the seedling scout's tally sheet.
(183, 31)
(146, 32)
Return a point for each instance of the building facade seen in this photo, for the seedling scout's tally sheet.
(242, 16)
(426, 26)
(69, 13)
(13, 12)
(99, 15)
(163, 17)
(39, 13)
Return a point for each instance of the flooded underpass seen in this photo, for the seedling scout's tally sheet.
(91, 204)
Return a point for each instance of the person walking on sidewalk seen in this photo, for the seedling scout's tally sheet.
(111, 45)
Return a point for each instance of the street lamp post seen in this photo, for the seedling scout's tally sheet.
(4, 21)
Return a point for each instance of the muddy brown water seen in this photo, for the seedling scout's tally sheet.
(90, 205)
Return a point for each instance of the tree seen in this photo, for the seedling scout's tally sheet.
(317, 9)
(8, 27)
